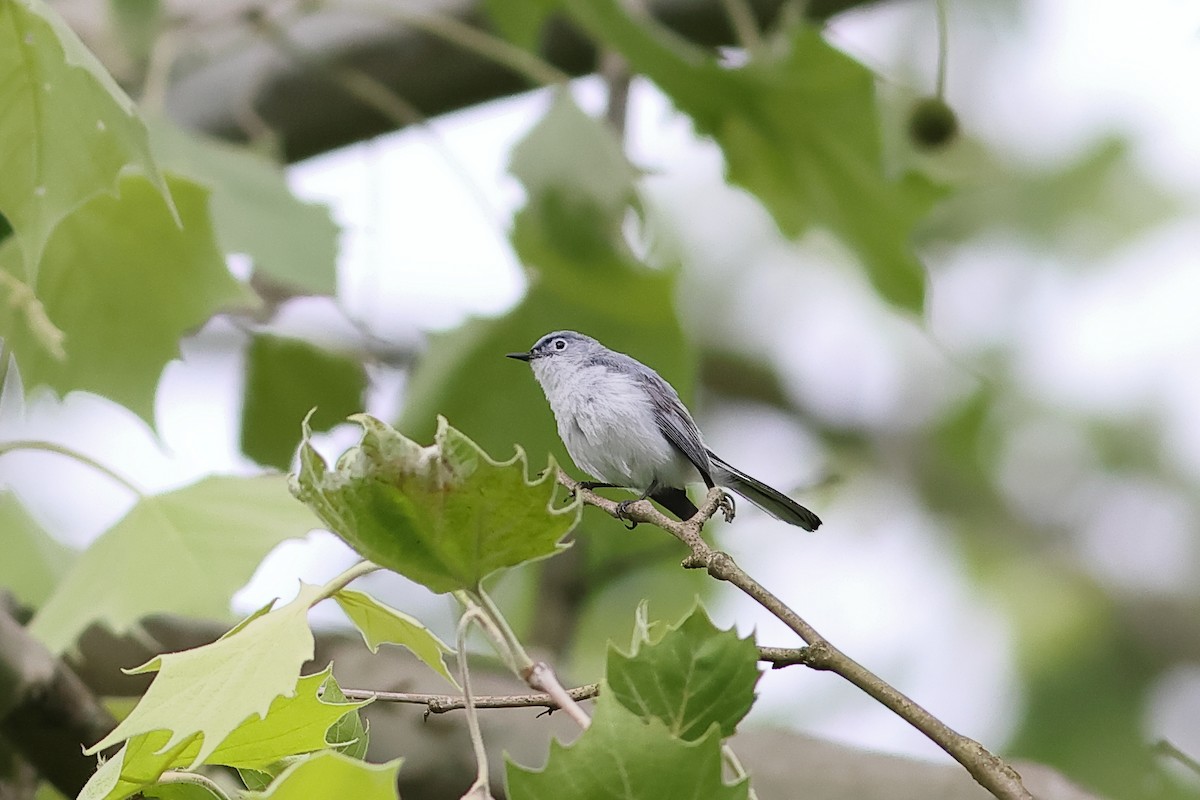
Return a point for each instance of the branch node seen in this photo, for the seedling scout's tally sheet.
(720, 565)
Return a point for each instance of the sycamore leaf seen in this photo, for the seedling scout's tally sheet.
(690, 678)
(799, 128)
(579, 186)
(184, 552)
(622, 757)
(285, 378)
(181, 791)
(114, 780)
(333, 776)
(300, 723)
(66, 129)
(33, 561)
(214, 689)
(445, 516)
(124, 282)
(349, 735)
(253, 210)
(382, 624)
(293, 725)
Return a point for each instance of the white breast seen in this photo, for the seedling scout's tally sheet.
(606, 421)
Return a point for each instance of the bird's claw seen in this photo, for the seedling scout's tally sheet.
(622, 513)
(727, 506)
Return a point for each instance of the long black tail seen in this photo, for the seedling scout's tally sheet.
(774, 502)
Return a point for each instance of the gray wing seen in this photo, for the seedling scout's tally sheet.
(676, 423)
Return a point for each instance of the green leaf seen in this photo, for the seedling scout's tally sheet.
(137, 24)
(124, 282)
(212, 690)
(333, 776)
(520, 21)
(382, 624)
(66, 129)
(349, 734)
(445, 516)
(181, 791)
(33, 562)
(253, 210)
(693, 677)
(184, 552)
(285, 379)
(578, 184)
(623, 757)
(799, 128)
(302, 723)
(114, 781)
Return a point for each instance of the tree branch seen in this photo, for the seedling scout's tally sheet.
(989, 770)
(46, 711)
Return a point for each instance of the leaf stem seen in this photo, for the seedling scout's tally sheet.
(739, 771)
(943, 45)
(63, 450)
(345, 579)
(522, 659)
(195, 779)
(464, 673)
(541, 677)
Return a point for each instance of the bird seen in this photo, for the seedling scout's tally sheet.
(624, 425)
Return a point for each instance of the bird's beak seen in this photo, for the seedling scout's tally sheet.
(518, 356)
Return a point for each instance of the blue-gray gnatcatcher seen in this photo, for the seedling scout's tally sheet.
(626, 426)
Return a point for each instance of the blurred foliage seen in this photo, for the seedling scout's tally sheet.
(102, 283)
(33, 562)
(182, 552)
(798, 126)
(252, 207)
(119, 233)
(287, 378)
(1089, 205)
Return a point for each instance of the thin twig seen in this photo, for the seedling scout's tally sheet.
(63, 450)
(471, 39)
(990, 771)
(442, 703)
(1164, 747)
(777, 657)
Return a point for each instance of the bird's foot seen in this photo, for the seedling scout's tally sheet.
(622, 513)
(727, 506)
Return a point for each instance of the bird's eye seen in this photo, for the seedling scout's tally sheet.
(559, 344)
